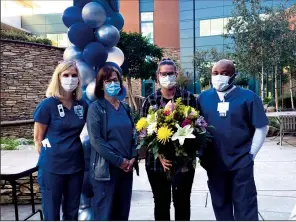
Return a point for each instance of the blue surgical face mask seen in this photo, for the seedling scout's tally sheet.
(112, 89)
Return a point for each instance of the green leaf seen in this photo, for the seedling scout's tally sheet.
(140, 145)
(155, 148)
(151, 143)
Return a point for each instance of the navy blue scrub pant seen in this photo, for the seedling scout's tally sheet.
(112, 199)
(57, 189)
(234, 195)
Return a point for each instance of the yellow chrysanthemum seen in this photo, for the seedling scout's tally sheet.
(141, 124)
(164, 134)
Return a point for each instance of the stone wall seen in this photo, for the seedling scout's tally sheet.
(18, 131)
(26, 69)
(23, 194)
(173, 53)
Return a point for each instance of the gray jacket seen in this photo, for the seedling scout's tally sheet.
(102, 154)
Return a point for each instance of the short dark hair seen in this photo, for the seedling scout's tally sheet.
(104, 74)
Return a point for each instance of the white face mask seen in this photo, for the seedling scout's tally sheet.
(220, 82)
(69, 84)
(168, 81)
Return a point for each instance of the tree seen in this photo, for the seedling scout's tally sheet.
(204, 60)
(245, 29)
(141, 58)
(264, 41)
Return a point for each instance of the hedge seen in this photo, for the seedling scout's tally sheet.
(21, 36)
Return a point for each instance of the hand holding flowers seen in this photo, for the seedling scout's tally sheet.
(173, 131)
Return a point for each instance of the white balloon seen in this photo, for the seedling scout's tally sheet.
(84, 133)
(87, 73)
(90, 91)
(115, 55)
(72, 53)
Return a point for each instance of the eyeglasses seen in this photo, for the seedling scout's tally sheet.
(111, 80)
(164, 74)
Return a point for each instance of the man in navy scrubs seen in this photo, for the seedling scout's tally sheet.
(240, 126)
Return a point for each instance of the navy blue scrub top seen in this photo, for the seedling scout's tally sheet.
(233, 134)
(66, 153)
(120, 130)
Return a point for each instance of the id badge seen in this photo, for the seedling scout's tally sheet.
(79, 111)
(222, 108)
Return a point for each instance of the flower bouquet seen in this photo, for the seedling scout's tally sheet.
(174, 131)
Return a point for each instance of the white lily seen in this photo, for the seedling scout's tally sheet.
(151, 128)
(149, 118)
(183, 133)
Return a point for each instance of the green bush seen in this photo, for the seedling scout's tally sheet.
(266, 100)
(274, 122)
(8, 144)
(21, 36)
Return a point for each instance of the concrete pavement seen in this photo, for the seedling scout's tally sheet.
(275, 175)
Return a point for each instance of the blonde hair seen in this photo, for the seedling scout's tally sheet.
(54, 87)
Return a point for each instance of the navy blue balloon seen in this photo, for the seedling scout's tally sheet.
(84, 96)
(86, 151)
(115, 19)
(108, 35)
(113, 64)
(80, 34)
(94, 14)
(95, 54)
(106, 5)
(122, 94)
(81, 3)
(87, 73)
(71, 16)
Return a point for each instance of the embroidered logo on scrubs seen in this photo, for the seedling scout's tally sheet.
(79, 111)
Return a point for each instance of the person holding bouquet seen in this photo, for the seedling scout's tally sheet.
(240, 126)
(158, 166)
(112, 137)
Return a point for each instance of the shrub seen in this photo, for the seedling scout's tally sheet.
(266, 100)
(21, 36)
(274, 122)
(8, 144)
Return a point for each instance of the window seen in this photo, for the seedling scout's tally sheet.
(217, 26)
(205, 27)
(212, 27)
(147, 25)
(147, 17)
(59, 40)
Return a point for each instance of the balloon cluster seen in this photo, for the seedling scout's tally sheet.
(94, 28)
(94, 33)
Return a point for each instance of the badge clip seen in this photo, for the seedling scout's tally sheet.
(222, 108)
(61, 110)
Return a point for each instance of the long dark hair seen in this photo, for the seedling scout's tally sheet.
(104, 74)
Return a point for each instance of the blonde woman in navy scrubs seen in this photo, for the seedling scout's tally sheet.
(59, 120)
